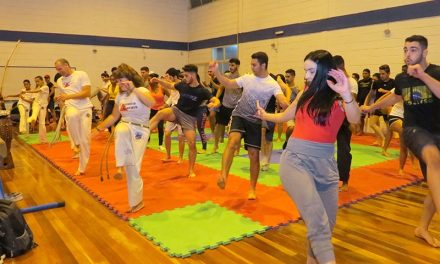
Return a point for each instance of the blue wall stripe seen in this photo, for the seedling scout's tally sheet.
(6, 35)
(393, 14)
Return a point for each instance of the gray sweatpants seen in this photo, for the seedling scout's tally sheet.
(309, 174)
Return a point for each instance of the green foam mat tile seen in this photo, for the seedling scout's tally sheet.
(368, 155)
(34, 138)
(195, 228)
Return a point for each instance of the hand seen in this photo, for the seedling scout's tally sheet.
(341, 86)
(154, 80)
(415, 71)
(61, 97)
(366, 109)
(260, 111)
(213, 66)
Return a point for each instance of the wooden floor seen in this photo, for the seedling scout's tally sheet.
(379, 230)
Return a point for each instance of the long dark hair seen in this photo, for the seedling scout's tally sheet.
(318, 94)
(126, 71)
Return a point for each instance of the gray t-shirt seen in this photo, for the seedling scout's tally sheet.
(255, 88)
(231, 96)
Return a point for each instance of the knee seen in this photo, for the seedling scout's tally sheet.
(431, 155)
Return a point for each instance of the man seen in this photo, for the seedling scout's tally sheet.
(344, 134)
(383, 86)
(172, 75)
(229, 102)
(420, 90)
(75, 91)
(257, 87)
(364, 87)
(39, 107)
(145, 73)
(51, 104)
(192, 95)
(293, 90)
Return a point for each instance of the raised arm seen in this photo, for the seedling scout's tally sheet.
(418, 72)
(225, 81)
(165, 84)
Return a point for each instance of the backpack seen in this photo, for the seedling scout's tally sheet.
(16, 237)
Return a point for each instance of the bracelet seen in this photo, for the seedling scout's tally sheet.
(352, 99)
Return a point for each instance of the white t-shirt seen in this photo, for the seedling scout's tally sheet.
(27, 96)
(353, 85)
(42, 97)
(397, 109)
(174, 97)
(73, 84)
(254, 88)
(132, 109)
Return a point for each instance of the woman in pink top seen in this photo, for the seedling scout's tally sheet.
(308, 169)
(159, 95)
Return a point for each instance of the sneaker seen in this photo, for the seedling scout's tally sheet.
(201, 151)
(161, 148)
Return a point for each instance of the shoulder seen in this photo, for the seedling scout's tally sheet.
(434, 71)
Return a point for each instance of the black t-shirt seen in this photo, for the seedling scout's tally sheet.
(364, 87)
(388, 85)
(422, 107)
(191, 97)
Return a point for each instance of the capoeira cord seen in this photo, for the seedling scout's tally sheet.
(105, 156)
(57, 135)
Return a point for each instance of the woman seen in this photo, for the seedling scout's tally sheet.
(132, 105)
(158, 94)
(308, 169)
(113, 91)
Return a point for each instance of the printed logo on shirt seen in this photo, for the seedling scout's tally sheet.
(66, 84)
(88, 115)
(128, 107)
(138, 135)
(419, 95)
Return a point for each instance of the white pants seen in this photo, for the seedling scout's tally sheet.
(24, 115)
(130, 144)
(79, 126)
(39, 111)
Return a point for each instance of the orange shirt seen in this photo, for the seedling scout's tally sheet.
(159, 97)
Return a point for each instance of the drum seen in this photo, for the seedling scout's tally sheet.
(6, 133)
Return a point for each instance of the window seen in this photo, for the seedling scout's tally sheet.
(223, 54)
(196, 3)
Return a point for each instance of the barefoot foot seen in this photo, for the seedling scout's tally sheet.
(424, 234)
(252, 195)
(221, 183)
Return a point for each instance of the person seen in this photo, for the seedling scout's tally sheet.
(39, 107)
(51, 103)
(112, 91)
(158, 94)
(379, 89)
(257, 86)
(419, 88)
(75, 91)
(294, 90)
(102, 92)
(355, 76)
(192, 94)
(230, 98)
(172, 75)
(364, 87)
(24, 106)
(307, 167)
(343, 138)
(145, 73)
(132, 106)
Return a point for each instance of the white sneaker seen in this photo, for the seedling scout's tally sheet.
(161, 148)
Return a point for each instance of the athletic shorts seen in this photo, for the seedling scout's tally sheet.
(416, 139)
(251, 132)
(270, 129)
(392, 119)
(171, 126)
(188, 122)
(223, 116)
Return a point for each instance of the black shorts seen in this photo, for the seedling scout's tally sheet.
(416, 139)
(223, 116)
(392, 119)
(270, 129)
(251, 132)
